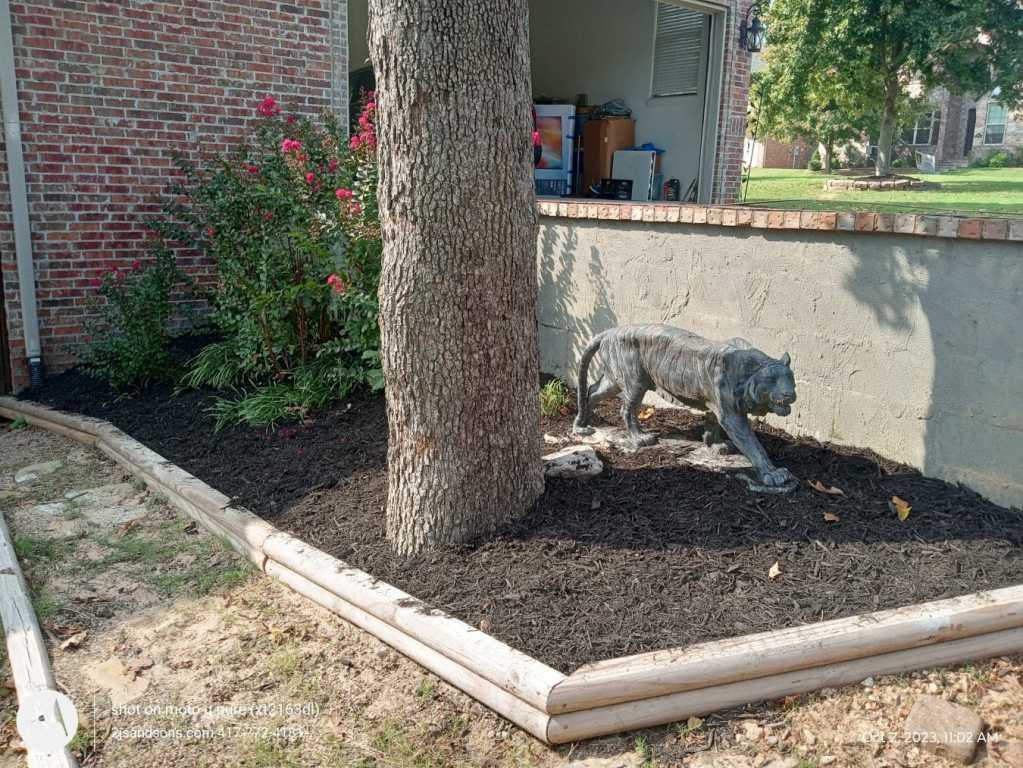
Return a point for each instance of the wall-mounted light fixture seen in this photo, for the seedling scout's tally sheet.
(752, 30)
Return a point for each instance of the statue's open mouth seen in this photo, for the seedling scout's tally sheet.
(782, 407)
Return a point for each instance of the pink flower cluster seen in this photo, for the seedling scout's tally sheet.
(337, 285)
(291, 145)
(268, 107)
(349, 204)
(366, 136)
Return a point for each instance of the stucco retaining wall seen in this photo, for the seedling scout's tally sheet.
(912, 346)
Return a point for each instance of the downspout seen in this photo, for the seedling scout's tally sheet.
(19, 197)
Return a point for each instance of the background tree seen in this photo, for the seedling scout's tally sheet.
(872, 50)
(458, 281)
(819, 114)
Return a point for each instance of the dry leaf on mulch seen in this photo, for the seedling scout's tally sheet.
(831, 490)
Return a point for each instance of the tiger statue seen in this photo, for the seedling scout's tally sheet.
(728, 379)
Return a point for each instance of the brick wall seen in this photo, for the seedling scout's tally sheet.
(732, 115)
(108, 91)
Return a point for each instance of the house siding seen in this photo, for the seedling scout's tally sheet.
(108, 92)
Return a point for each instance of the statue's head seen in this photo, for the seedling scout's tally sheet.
(772, 388)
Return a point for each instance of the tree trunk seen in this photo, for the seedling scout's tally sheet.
(458, 283)
(886, 137)
(828, 153)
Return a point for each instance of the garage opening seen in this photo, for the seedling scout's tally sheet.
(626, 92)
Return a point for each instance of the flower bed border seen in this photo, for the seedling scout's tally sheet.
(597, 699)
(925, 225)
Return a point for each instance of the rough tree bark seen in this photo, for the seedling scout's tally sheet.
(458, 286)
(886, 137)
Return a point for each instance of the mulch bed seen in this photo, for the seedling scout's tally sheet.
(650, 555)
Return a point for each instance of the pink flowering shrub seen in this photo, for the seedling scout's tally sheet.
(290, 219)
(129, 326)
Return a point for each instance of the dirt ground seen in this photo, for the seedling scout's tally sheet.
(177, 653)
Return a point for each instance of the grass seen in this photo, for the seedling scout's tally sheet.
(553, 397)
(997, 191)
(36, 549)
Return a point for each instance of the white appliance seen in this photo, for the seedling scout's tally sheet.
(639, 166)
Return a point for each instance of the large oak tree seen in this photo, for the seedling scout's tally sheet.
(458, 284)
(872, 50)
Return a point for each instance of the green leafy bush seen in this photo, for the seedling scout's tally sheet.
(129, 328)
(815, 161)
(290, 219)
(999, 160)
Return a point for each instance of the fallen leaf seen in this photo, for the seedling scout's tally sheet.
(484, 625)
(693, 723)
(74, 641)
(831, 490)
(900, 507)
(191, 528)
(9, 684)
(831, 517)
(646, 413)
(775, 571)
(124, 528)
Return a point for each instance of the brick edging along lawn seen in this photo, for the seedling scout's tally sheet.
(926, 225)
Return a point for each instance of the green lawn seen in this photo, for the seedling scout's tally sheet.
(969, 191)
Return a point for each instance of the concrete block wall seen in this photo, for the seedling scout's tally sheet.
(906, 344)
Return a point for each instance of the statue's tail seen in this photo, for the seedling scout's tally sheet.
(582, 419)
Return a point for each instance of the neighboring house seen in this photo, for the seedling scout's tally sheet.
(961, 128)
(770, 153)
(108, 92)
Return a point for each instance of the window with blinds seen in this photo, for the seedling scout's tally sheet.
(678, 51)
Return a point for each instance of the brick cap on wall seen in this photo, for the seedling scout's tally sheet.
(923, 224)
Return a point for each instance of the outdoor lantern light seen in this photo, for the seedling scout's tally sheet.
(752, 31)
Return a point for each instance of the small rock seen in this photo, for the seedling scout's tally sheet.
(943, 728)
(553, 439)
(752, 731)
(827, 760)
(35, 471)
(579, 461)
(868, 682)
(809, 738)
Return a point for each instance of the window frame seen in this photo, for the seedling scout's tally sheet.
(703, 50)
(1001, 126)
(930, 122)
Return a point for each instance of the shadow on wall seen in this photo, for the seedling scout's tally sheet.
(563, 328)
(973, 423)
(911, 346)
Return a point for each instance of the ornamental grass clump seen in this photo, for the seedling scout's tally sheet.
(290, 221)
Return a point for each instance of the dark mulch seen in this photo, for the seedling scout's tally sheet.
(650, 555)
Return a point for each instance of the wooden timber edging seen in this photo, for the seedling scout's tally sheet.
(26, 649)
(597, 699)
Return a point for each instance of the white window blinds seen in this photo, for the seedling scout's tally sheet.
(678, 51)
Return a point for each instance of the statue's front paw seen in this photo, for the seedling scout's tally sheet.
(582, 429)
(778, 477)
(643, 441)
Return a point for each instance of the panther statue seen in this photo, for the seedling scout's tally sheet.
(728, 379)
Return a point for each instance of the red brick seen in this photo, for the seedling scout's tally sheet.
(970, 228)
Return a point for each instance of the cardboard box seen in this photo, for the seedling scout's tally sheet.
(601, 139)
